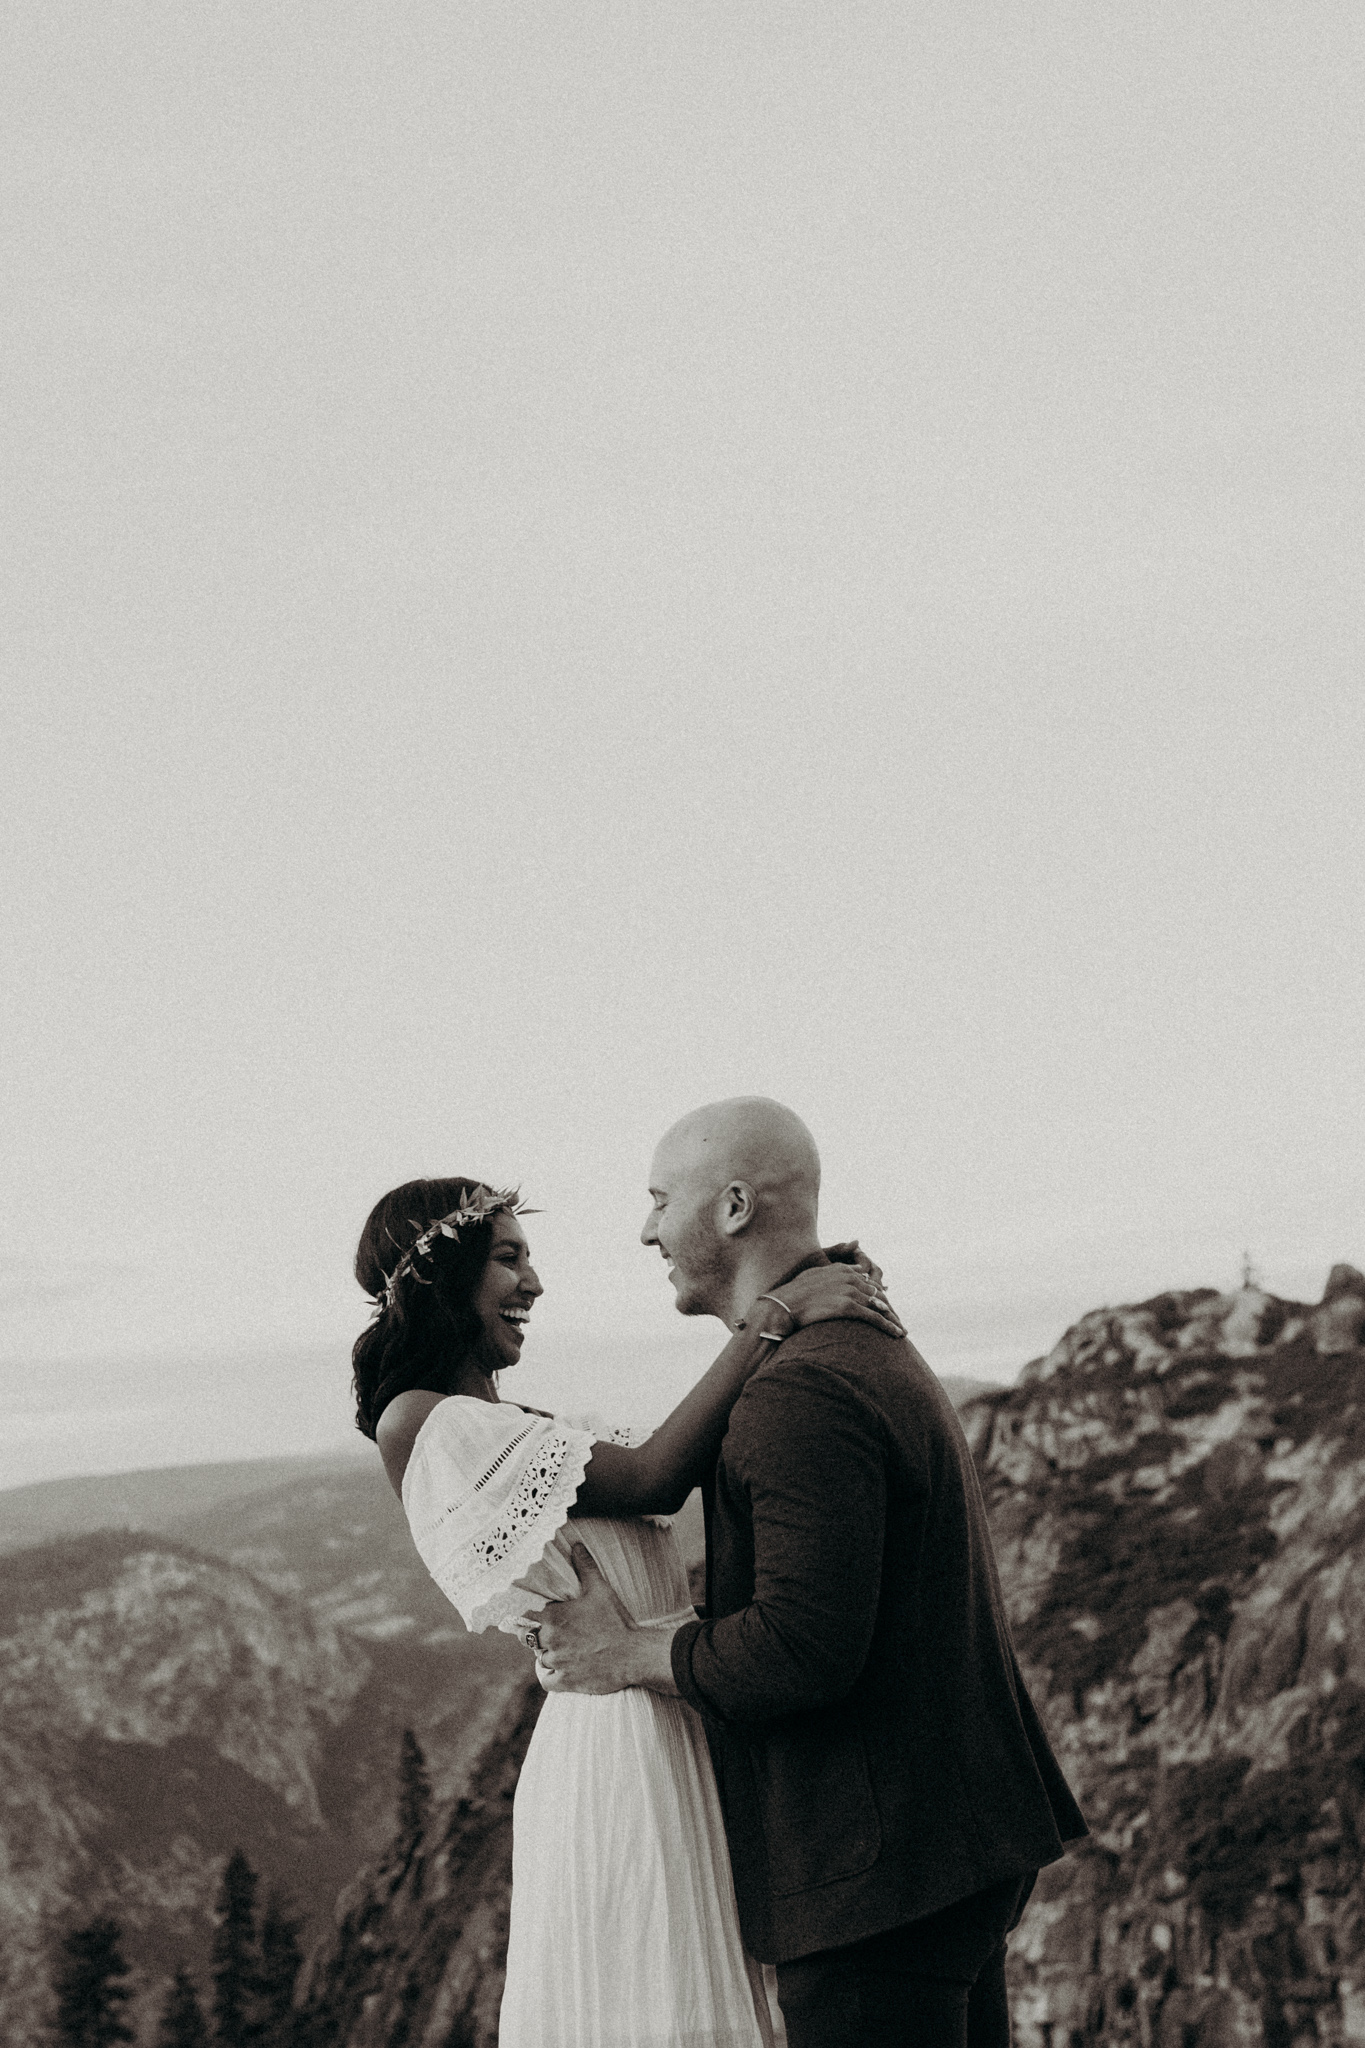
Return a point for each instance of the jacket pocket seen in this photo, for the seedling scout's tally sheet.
(820, 1819)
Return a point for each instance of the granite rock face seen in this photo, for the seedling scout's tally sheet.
(1177, 1493)
(151, 1699)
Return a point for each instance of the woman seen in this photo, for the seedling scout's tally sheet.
(624, 1932)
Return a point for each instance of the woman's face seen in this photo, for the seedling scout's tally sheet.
(503, 1298)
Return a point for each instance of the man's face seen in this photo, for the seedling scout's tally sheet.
(682, 1223)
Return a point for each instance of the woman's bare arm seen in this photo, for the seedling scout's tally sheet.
(655, 1478)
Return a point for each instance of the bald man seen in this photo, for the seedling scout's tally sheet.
(889, 1793)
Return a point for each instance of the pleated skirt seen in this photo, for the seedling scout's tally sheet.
(624, 1930)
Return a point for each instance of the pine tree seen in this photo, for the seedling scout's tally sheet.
(235, 1955)
(88, 1982)
(182, 2019)
(414, 1793)
(281, 1960)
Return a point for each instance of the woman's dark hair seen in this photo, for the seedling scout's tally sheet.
(429, 1329)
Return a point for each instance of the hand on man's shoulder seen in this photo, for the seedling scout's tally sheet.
(842, 1339)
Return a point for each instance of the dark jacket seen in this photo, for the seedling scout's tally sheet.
(877, 1753)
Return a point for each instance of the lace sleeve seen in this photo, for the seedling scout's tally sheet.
(487, 1489)
(629, 1434)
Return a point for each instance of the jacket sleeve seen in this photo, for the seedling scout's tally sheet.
(811, 1456)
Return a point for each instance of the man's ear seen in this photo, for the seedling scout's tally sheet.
(737, 1208)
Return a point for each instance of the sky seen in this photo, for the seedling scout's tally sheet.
(566, 563)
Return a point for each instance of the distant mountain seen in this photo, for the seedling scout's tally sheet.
(961, 1390)
(152, 1701)
(157, 1500)
(335, 1535)
(160, 1705)
(175, 1499)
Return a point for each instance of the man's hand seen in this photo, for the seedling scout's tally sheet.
(590, 1644)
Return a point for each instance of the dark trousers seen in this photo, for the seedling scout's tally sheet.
(934, 1983)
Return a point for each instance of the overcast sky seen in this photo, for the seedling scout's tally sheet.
(567, 562)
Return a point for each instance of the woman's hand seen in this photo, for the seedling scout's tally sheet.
(852, 1254)
(826, 1294)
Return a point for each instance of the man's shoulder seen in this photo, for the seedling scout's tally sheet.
(845, 1346)
(842, 1360)
(850, 1363)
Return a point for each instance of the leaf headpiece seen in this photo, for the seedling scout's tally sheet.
(476, 1208)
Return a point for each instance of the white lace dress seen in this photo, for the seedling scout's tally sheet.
(624, 1929)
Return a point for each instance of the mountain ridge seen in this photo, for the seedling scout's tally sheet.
(161, 1705)
(161, 1498)
(151, 1498)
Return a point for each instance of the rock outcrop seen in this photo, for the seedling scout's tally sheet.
(417, 1958)
(1178, 1498)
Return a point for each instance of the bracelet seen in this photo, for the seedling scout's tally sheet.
(785, 1310)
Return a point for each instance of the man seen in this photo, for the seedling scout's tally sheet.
(889, 1792)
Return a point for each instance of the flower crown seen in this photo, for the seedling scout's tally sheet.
(476, 1208)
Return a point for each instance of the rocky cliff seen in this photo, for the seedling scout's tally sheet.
(1178, 1497)
(416, 1959)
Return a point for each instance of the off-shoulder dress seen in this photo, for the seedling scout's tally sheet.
(624, 1930)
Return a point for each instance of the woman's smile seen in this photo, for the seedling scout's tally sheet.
(507, 1291)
